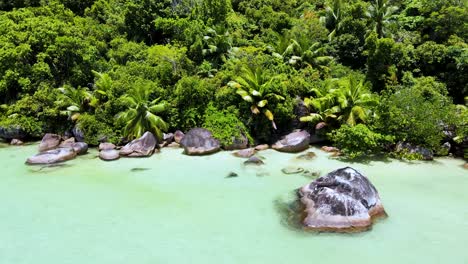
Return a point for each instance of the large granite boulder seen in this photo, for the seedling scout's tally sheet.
(109, 154)
(49, 141)
(294, 142)
(12, 132)
(343, 201)
(52, 156)
(199, 141)
(141, 147)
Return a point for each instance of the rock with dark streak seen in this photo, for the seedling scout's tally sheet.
(344, 200)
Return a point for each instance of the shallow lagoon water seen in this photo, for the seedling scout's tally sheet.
(179, 209)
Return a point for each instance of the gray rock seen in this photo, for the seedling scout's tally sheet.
(78, 134)
(16, 142)
(262, 147)
(238, 143)
(254, 160)
(425, 153)
(200, 141)
(141, 147)
(174, 145)
(294, 142)
(168, 138)
(52, 156)
(80, 148)
(178, 136)
(245, 153)
(330, 149)
(342, 201)
(232, 175)
(109, 154)
(12, 132)
(292, 170)
(444, 149)
(106, 146)
(49, 141)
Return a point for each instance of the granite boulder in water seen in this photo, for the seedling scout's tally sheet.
(344, 200)
(141, 147)
(294, 142)
(199, 141)
(52, 156)
(49, 141)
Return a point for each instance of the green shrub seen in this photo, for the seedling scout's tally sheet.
(94, 130)
(30, 125)
(359, 140)
(225, 125)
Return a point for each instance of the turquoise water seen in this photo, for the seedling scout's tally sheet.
(180, 209)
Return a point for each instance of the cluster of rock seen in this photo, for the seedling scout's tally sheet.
(53, 149)
(144, 146)
(344, 200)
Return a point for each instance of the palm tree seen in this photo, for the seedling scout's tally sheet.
(103, 85)
(76, 100)
(253, 86)
(333, 18)
(380, 12)
(301, 53)
(217, 43)
(344, 101)
(354, 98)
(141, 114)
(323, 104)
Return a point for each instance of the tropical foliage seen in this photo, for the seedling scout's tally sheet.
(369, 69)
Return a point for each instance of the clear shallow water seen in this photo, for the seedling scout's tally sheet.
(184, 210)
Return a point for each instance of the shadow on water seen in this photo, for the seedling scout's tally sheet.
(48, 168)
(139, 169)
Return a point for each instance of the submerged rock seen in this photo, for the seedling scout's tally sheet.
(307, 156)
(232, 175)
(49, 141)
(52, 156)
(254, 160)
(294, 142)
(141, 147)
(292, 170)
(245, 153)
(343, 201)
(200, 141)
(109, 154)
(311, 174)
